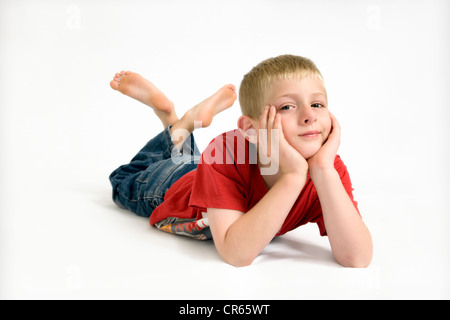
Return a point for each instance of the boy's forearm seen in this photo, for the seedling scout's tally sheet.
(349, 237)
(252, 232)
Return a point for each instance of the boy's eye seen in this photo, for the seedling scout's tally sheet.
(287, 107)
(317, 105)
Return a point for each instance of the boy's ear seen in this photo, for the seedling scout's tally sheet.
(247, 126)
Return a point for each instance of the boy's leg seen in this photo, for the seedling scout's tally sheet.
(140, 185)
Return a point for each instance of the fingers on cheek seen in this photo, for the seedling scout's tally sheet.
(335, 126)
(273, 115)
(276, 122)
(264, 117)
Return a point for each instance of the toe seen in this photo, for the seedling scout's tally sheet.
(231, 87)
(114, 84)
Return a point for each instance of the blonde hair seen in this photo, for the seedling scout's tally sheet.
(255, 85)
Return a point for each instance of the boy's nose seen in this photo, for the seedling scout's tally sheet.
(307, 116)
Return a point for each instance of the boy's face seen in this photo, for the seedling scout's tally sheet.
(303, 106)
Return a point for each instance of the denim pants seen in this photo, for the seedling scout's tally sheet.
(140, 186)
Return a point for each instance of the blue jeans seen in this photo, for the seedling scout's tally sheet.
(140, 186)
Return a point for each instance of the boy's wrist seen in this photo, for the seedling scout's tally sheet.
(317, 173)
(295, 178)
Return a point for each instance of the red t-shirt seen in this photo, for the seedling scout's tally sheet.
(228, 177)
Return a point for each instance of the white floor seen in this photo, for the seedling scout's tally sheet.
(68, 240)
(63, 130)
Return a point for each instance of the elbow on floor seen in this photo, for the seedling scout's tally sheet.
(355, 262)
(239, 262)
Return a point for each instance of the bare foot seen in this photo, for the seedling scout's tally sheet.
(204, 112)
(139, 88)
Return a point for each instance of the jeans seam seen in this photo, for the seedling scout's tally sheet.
(138, 179)
(157, 189)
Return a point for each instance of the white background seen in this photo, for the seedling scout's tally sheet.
(63, 130)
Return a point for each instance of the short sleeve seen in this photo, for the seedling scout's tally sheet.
(319, 217)
(218, 182)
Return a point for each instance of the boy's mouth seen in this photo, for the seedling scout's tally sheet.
(310, 134)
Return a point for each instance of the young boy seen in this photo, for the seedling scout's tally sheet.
(277, 171)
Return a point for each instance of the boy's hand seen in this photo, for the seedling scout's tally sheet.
(324, 158)
(287, 159)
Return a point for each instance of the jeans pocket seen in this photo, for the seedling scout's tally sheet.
(157, 179)
(153, 183)
(152, 172)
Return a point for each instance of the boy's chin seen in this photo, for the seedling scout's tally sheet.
(307, 154)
